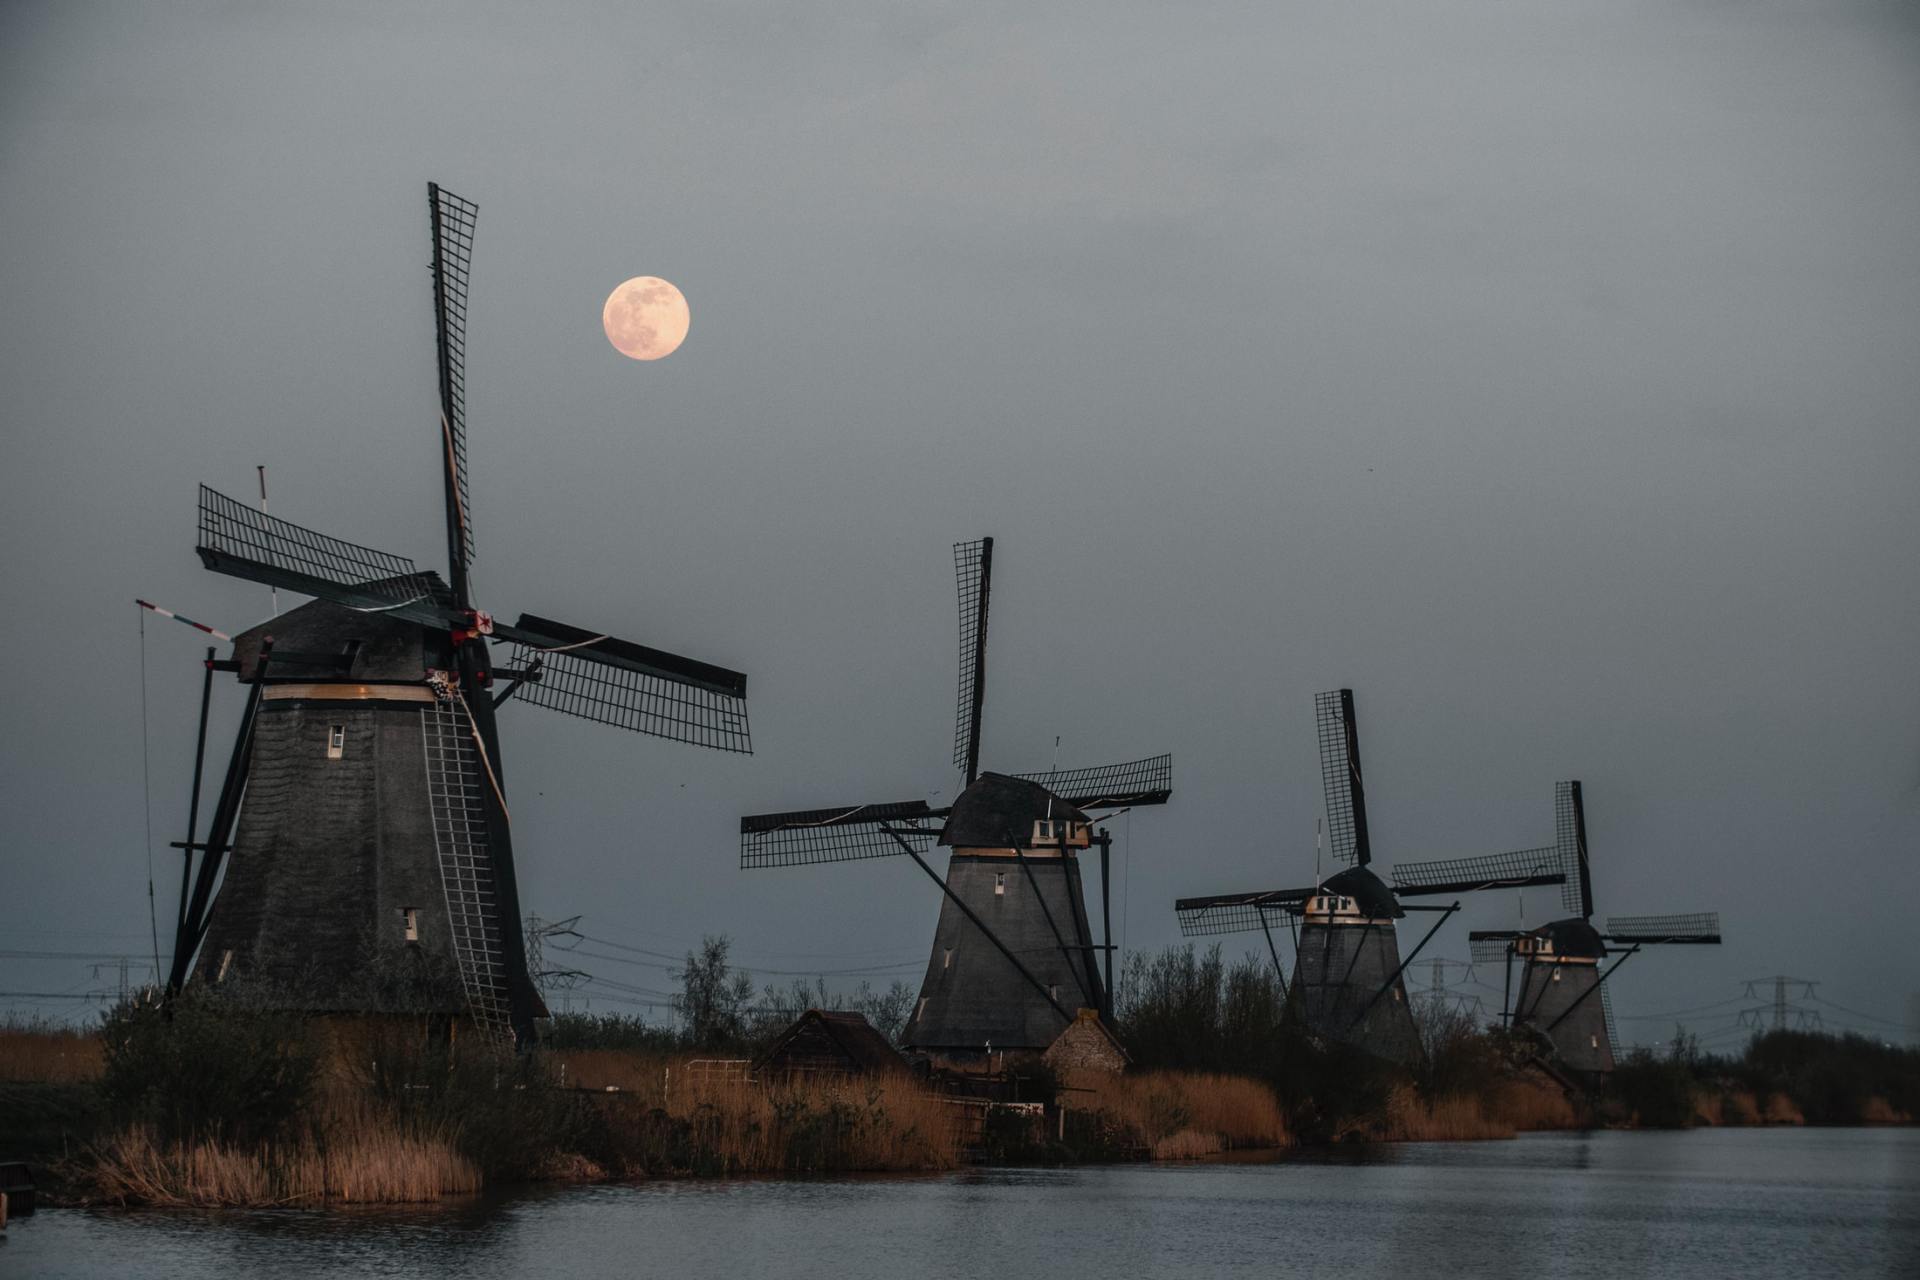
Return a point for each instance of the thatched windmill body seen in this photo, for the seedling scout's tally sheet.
(1563, 992)
(360, 852)
(1347, 982)
(1013, 956)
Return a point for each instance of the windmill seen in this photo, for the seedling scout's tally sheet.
(1347, 972)
(362, 824)
(1563, 993)
(1013, 952)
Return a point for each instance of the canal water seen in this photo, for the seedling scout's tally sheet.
(1700, 1204)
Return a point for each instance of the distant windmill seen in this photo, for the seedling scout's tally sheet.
(366, 782)
(1563, 993)
(1013, 953)
(1347, 982)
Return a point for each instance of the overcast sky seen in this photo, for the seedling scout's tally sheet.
(1543, 371)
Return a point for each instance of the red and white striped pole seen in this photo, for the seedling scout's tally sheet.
(197, 626)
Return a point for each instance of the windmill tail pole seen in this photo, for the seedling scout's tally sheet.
(1445, 913)
(981, 925)
(194, 927)
(1106, 919)
(1073, 962)
(1582, 998)
(193, 800)
(168, 613)
(1273, 951)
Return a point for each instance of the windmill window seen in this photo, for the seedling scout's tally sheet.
(411, 917)
(226, 960)
(1556, 975)
(1053, 992)
(999, 884)
(336, 741)
(1594, 1041)
(946, 961)
(921, 1012)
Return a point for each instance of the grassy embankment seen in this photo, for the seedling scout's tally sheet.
(227, 1103)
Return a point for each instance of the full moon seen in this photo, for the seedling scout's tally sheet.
(646, 318)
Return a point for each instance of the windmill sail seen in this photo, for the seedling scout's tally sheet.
(243, 542)
(1491, 946)
(1519, 869)
(1570, 834)
(597, 677)
(1699, 927)
(1238, 912)
(973, 571)
(1340, 779)
(1110, 786)
(453, 224)
(848, 833)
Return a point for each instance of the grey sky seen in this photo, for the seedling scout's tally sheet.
(1545, 372)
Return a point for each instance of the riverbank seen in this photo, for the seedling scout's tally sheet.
(371, 1129)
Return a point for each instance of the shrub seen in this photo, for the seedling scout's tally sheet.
(207, 1066)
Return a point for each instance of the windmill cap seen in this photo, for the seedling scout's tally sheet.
(1573, 937)
(998, 812)
(1368, 891)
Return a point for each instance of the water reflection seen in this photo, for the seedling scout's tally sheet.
(1693, 1205)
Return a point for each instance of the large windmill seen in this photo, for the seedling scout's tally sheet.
(1563, 993)
(1347, 974)
(362, 824)
(1013, 953)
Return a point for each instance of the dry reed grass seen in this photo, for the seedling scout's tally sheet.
(817, 1124)
(360, 1165)
(49, 1055)
(1532, 1105)
(1448, 1119)
(1178, 1112)
(1877, 1110)
(625, 1070)
(1523, 1105)
(1188, 1144)
(1780, 1109)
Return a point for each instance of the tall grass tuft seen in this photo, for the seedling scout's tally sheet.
(1177, 1114)
(365, 1163)
(47, 1053)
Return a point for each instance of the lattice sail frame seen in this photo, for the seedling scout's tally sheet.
(454, 218)
(578, 684)
(1110, 786)
(1522, 867)
(808, 837)
(237, 539)
(1491, 949)
(1687, 927)
(1340, 777)
(972, 566)
(1238, 913)
(1567, 837)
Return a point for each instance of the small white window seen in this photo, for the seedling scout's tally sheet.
(336, 741)
(1556, 975)
(946, 961)
(1053, 992)
(412, 917)
(921, 1012)
(999, 884)
(1594, 1041)
(226, 960)
(1396, 993)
